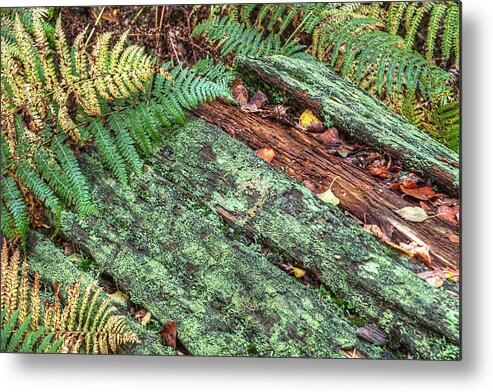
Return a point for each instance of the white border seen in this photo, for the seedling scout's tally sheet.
(82, 373)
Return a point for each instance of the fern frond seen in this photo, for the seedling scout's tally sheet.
(14, 203)
(240, 39)
(78, 184)
(45, 81)
(217, 73)
(447, 120)
(124, 142)
(108, 151)
(28, 175)
(379, 56)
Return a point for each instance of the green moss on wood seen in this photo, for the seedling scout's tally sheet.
(360, 115)
(163, 242)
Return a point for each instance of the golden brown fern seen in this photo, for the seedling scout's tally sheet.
(84, 322)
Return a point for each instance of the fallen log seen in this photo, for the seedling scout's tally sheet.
(175, 258)
(304, 157)
(164, 243)
(313, 85)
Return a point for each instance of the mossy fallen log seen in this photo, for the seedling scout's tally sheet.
(163, 241)
(303, 157)
(312, 84)
(175, 258)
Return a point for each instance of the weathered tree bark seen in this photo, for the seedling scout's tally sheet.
(313, 85)
(164, 243)
(175, 257)
(304, 157)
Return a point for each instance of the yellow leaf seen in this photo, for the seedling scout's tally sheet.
(119, 296)
(298, 273)
(309, 118)
(146, 319)
(328, 196)
(413, 214)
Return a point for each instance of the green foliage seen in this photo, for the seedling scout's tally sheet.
(219, 73)
(19, 338)
(446, 119)
(242, 40)
(398, 51)
(379, 57)
(56, 96)
(432, 18)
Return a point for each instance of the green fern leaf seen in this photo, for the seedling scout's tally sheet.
(14, 203)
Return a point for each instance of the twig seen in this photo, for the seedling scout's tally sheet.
(94, 27)
(299, 27)
(136, 16)
(174, 49)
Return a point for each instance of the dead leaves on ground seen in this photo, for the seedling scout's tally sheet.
(310, 122)
(437, 204)
(412, 249)
(438, 277)
(328, 196)
(412, 214)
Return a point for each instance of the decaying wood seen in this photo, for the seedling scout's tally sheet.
(302, 156)
(313, 85)
(179, 242)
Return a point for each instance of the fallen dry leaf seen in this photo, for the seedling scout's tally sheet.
(168, 333)
(377, 232)
(310, 122)
(413, 249)
(410, 181)
(424, 193)
(146, 319)
(453, 275)
(240, 93)
(328, 196)
(425, 206)
(379, 171)
(259, 99)
(68, 250)
(330, 136)
(298, 272)
(353, 353)
(279, 112)
(119, 296)
(413, 214)
(266, 153)
(454, 238)
(343, 152)
(450, 214)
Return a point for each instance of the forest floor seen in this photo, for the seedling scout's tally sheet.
(330, 245)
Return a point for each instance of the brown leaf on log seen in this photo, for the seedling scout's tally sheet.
(240, 93)
(330, 136)
(168, 333)
(450, 214)
(378, 170)
(267, 154)
(259, 99)
(424, 193)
